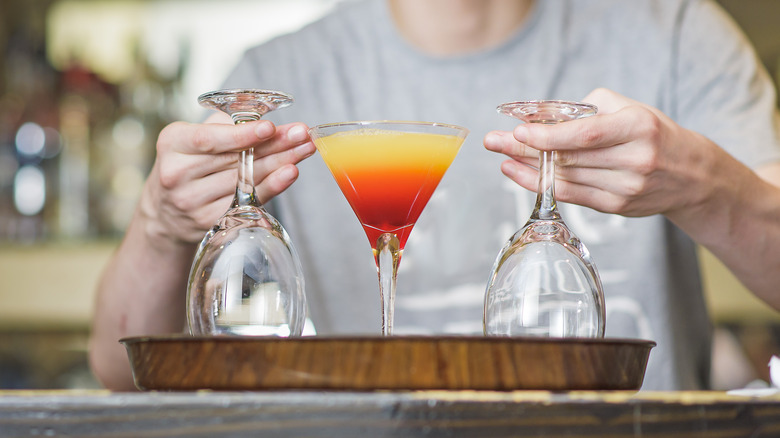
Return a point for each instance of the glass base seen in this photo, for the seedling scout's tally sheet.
(253, 330)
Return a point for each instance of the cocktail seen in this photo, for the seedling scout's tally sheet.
(544, 281)
(388, 171)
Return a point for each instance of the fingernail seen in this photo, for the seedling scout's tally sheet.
(521, 133)
(492, 140)
(305, 150)
(287, 173)
(264, 129)
(511, 169)
(297, 133)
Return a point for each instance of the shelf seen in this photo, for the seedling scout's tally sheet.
(50, 285)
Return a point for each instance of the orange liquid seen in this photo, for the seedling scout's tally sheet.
(388, 177)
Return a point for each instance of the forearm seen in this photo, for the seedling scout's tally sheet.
(141, 292)
(739, 222)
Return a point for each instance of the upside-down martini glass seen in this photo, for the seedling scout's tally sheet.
(246, 278)
(544, 282)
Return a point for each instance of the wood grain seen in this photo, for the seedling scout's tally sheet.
(388, 363)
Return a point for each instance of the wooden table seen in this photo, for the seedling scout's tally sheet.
(384, 414)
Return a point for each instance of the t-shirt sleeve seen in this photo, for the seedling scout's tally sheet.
(722, 89)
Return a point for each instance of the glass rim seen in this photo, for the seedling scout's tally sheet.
(227, 92)
(368, 123)
(582, 108)
(245, 104)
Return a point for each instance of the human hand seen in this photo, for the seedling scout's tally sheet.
(193, 179)
(629, 159)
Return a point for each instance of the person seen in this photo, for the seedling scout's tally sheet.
(684, 150)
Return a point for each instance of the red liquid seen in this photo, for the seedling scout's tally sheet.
(388, 176)
(389, 200)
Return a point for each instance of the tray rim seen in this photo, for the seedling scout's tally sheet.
(182, 337)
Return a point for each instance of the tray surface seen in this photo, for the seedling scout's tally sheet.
(182, 362)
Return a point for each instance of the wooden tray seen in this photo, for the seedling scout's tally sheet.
(386, 363)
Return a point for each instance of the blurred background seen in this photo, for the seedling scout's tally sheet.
(86, 85)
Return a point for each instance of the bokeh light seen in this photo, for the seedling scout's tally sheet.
(29, 190)
(30, 139)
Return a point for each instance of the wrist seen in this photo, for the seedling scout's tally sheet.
(718, 204)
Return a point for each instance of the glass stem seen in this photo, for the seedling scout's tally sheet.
(388, 256)
(546, 207)
(245, 186)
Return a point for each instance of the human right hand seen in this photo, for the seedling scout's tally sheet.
(630, 159)
(193, 178)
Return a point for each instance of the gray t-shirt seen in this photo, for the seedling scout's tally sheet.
(684, 57)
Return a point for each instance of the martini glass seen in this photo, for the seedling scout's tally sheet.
(544, 282)
(246, 277)
(388, 171)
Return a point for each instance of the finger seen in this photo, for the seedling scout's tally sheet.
(286, 137)
(603, 130)
(208, 214)
(216, 188)
(216, 138)
(177, 168)
(621, 157)
(603, 190)
(602, 158)
(204, 190)
(524, 175)
(504, 143)
(565, 191)
(269, 164)
(528, 177)
(191, 224)
(276, 182)
(207, 198)
(215, 185)
(183, 164)
(625, 184)
(592, 197)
